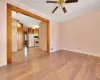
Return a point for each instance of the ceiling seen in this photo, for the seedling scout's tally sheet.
(73, 9)
(27, 21)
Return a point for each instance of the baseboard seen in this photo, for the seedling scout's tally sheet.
(54, 50)
(90, 54)
(1, 65)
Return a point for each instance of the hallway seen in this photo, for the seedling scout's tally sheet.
(60, 65)
(27, 54)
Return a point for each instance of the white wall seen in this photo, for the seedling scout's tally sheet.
(43, 36)
(82, 32)
(3, 50)
(55, 36)
(14, 39)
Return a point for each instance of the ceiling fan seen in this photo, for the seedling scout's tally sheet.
(60, 3)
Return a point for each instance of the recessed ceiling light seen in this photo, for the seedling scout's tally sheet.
(36, 26)
(33, 27)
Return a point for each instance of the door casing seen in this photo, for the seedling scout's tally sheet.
(9, 28)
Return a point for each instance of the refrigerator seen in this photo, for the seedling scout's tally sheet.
(30, 40)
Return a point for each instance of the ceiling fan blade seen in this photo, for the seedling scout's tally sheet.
(71, 1)
(51, 1)
(64, 9)
(55, 9)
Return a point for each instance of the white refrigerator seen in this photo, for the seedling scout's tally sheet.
(30, 40)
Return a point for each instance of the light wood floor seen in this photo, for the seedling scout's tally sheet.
(60, 65)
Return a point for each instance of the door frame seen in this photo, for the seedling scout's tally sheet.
(9, 28)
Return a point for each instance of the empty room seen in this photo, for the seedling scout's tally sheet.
(50, 40)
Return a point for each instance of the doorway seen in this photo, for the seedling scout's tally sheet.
(25, 39)
(9, 28)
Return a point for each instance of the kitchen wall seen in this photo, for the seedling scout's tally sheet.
(82, 34)
(43, 36)
(14, 39)
(17, 38)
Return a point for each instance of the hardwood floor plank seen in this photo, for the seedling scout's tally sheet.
(60, 65)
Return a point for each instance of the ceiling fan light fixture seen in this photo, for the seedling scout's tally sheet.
(60, 1)
(60, 4)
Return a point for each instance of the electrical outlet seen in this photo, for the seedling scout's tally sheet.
(51, 48)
